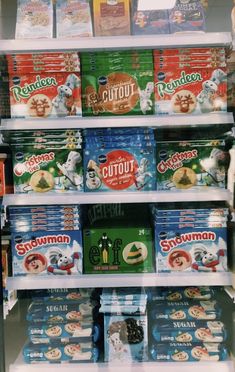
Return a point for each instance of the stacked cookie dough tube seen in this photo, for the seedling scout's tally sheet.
(62, 327)
(185, 325)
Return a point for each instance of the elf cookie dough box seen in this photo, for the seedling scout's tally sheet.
(47, 253)
(115, 245)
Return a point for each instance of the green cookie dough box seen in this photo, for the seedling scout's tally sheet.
(118, 250)
(46, 170)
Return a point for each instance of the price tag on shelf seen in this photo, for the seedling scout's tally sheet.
(155, 4)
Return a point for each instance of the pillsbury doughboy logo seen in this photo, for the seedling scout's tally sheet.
(33, 163)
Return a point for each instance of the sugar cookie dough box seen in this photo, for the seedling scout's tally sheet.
(47, 253)
(131, 334)
(47, 170)
(121, 168)
(190, 90)
(118, 250)
(188, 352)
(198, 249)
(45, 95)
(125, 92)
(177, 294)
(192, 165)
(189, 331)
(72, 352)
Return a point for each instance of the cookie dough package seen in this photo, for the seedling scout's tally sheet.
(185, 310)
(189, 90)
(111, 18)
(47, 170)
(125, 338)
(180, 248)
(189, 331)
(47, 253)
(45, 95)
(128, 90)
(195, 165)
(187, 16)
(34, 19)
(73, 18)
(183, 352)
(73, 352)
(147, 22)
(178, 294)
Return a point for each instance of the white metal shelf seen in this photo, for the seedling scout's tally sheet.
(120, 280)
(227, 366)
(210, 194)
(186, 39)
(121, 121)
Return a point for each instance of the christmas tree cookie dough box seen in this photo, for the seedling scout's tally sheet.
(118, 250)
(202, 249)
(130, 333)
(192, 164)
(47, 253)
(120, 169)
(47, 170)
(45, 95)
(123, 92)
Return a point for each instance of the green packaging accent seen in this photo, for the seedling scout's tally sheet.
(118, 250)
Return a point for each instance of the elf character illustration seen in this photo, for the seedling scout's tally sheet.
(105, 243)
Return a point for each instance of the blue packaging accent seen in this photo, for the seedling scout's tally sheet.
(178, 294)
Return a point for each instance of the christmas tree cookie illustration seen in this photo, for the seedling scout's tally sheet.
(42, 181)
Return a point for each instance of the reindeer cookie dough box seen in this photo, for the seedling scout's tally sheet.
(47, 253)
(47, 170)
(192, 164)
(45, 95)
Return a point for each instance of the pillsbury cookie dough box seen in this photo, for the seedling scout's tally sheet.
(47, 253)
(47, 169)
(190, 247)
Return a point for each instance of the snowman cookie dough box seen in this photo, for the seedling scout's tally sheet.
(47, 253)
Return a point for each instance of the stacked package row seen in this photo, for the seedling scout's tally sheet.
(83, 18)
(4, 89)
(125, 324)
(47, 161)
(62, 327)
(46, 240)
(185, 325)
(44, 85)
(191, 238)
(120, 159)
(190, 80)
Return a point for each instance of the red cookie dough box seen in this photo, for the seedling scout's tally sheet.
(45, 95)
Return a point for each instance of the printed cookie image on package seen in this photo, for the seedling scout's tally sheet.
(192, 164)
(45, 95)
(190, 90)
(47, 170)
(187, 15)
(34, 19)
(47, 253)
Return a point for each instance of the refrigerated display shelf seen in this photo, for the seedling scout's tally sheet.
(121, 280)
(120, 121)
(20, 366)
(187, 39)
(210, 194)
